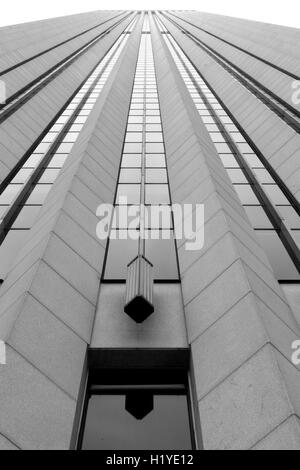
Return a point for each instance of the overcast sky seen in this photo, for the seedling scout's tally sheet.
(285, 12)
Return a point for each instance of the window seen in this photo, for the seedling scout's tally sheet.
(138, 409)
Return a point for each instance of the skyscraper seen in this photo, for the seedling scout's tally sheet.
(186, 336)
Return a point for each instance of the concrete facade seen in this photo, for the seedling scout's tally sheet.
(229, 309)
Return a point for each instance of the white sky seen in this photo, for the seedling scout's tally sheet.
(284, 12)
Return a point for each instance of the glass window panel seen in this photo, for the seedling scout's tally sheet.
(26, 217)
(56, 128)
(290, 216)
(134, 128)
(237, 176)
(33, 161)
(134, 137)
(253, 161)
(212, 128)
(133, 161)
(292, 293)
(80, 120)
(229, 161)
(130, 191)
(133, 148)
(245, 148)
(126, 217)
(156, 176)
(263, 176)
(3, 210)
(154, 148)
(246, 194)
(279, 258)
(162, 254)
(258, 217)
(76, 128)
(153, 128)
(50, 137)
(42, 148)
(120, 254)
(39, 194)
(71, 137)
(296, 236)
(9, 249)
(153, 120)
(135, 119)
(130, 176)
(109, 426)
(217, 137)
(49, 176)
(22, 175)
(57, 161)
(155, 160)
(237, 137)
(157, 194)
(222, 148)
(154, 137)
(10, 193)
(208, 120)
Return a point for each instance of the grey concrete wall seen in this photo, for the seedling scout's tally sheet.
(49, 299)
(277, 141)
(240, 326)
(20, 131)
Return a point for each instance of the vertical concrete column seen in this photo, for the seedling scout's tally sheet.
(240, 327)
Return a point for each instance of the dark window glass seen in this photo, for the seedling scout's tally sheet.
(279, 258)
(109, 426)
